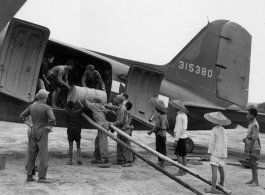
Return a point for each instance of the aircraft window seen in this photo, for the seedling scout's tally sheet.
(165, 99)
(115, 86)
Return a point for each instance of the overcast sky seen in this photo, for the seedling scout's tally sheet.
(150, 31)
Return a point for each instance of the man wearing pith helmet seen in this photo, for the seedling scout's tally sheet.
(42, 119)
(124, 157)
(217, 152)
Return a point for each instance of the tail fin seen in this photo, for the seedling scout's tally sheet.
(216, 62)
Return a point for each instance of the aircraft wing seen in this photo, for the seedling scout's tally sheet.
(8, 9)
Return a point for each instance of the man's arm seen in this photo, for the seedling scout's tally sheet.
(178, 128)
(23, 116)
(100, 81)
(157, 125)
(254, 137)
(60, 77)
(211, 143)
(121, 114)
(83, 81)
(51, 117)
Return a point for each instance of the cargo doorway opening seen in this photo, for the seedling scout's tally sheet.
(62, 53)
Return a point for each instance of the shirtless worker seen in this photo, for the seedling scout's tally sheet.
(101, 141)
(92, 79)
(55, 77)
(42, 121)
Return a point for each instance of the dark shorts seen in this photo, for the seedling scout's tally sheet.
(54, 84)
(181, 149)
(74, 137)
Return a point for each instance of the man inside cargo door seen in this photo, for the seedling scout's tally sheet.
(55, 76)
(43, 82)
(92, 79)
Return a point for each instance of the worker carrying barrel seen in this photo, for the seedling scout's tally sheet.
(92, 79)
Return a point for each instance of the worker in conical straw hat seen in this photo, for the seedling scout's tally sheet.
(180, 134)
(217, 151)
(161, 124)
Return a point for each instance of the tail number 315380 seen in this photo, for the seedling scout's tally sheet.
(197, 69)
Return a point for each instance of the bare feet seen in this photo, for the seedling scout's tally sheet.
(254, 184)
(249, 182)
(179, 174)
(70, 163)
(211, 191)
(221, 184)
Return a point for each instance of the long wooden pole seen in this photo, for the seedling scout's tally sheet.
(111, 135)
(169, 160)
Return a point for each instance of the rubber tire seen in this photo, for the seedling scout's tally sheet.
(189, 145)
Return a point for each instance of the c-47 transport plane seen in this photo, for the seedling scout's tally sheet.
(211, 73)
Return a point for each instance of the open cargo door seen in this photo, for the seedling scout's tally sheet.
(142, 83)
(21, 57)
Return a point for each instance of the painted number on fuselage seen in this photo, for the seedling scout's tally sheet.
(196, 69)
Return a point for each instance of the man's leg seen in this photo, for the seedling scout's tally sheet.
(254, 168)
(54, 100)
(70, 153)
(56, 96)
(33, 152)
(79, 162)
(103, 145)
(214, 176)
(42, 136)
(126, 153)
(222, 175)
(97, 151)
(120, 157)
(104, 150)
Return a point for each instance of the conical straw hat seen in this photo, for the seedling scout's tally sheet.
(159, 104)
(217, 118)
(179, 105)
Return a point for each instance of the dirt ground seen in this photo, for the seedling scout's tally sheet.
(138, 179)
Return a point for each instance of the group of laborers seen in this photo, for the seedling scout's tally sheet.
(56, 78)
(217, 151)
(43, 119)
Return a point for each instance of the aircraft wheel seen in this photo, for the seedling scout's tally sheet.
(189, 145)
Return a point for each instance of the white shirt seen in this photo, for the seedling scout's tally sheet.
(181, 126)
(218, 142)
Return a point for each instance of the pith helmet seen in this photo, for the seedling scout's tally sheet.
(90, 67)
(118, 99)
(217, 118)
(179, 105)
(159, 104)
